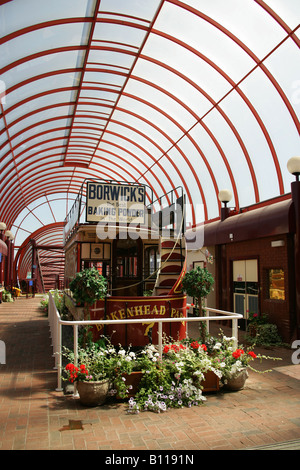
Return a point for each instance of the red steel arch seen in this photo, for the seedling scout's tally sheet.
(88, 120)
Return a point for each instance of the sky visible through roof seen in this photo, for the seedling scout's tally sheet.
(203, 94)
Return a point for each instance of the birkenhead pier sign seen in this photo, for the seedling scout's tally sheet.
(145, 308)
(116, 203)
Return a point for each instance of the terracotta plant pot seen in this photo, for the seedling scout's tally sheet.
(211, 382)
(93, 393)
(132, 380)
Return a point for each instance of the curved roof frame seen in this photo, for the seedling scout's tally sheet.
(108, 111)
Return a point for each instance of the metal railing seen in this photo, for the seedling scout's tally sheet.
(56, 323)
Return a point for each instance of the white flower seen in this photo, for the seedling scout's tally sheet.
(222, 364)
(227, 338)
(128, 358)
(217, 346)
(132, 354)
(121, 352)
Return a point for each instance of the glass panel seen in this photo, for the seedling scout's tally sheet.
(254, 139)
(142, 8)
(251, 23)
(187, 63)
(41, 40)
(174, 82)
(164, 102)
(276, 284)
(217, 46)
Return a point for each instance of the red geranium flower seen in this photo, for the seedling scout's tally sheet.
(236, 354)
(195, 345)
(252, 354)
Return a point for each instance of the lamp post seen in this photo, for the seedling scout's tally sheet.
(225, 195)
(10, 258)
(293, 166)
(2, 230)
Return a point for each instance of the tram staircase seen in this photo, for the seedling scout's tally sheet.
(172, 267)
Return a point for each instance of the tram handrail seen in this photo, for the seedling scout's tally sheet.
(56, 323)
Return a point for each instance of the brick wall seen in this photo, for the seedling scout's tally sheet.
(280, 312)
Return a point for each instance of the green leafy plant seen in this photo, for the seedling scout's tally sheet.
(87, 287)
(173, 380)
(198, 283)
(261, 332)
(257, 319)
(44, 304)
(94, 363)
(7, 296)
(266, 335)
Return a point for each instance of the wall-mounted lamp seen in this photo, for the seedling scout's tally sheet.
(2, 226)
(9, 235)
(225, 195)
(293, 166)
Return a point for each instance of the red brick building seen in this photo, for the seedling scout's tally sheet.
(254, 255)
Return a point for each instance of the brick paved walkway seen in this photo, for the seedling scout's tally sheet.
(35, 416)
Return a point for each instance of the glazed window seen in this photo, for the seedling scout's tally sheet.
(276, 284)
(151, 260)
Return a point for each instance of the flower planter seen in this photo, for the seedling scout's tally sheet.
(93, 393)
(211, 382)
(237, 382)
(132, 381)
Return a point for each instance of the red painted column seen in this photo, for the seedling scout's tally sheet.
(2, 262)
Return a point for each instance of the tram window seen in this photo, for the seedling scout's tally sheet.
(276, 284)
(127, 266)
(151, 260)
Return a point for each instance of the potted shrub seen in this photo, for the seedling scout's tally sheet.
(198, 283)
(87, 287)
(234, 361)
(92, 374)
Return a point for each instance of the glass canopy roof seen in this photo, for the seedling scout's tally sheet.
(198, 93)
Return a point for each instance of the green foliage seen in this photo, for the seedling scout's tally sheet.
(257, 319)
(59, 300)
(44, 304)
(266, 335)
(172, 380)
(6, 296)
(88, 286)
(198, 283)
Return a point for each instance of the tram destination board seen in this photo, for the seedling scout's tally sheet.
(115, 203)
